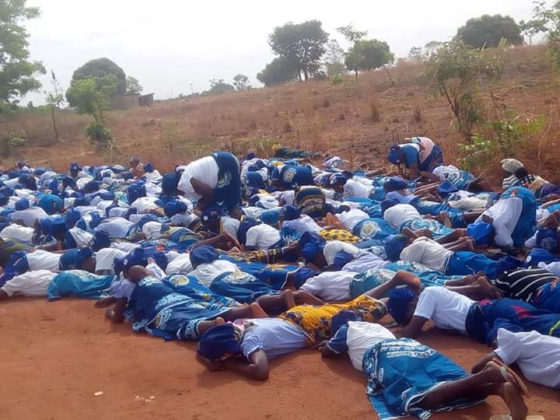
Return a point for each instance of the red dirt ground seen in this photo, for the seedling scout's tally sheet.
(56, 355)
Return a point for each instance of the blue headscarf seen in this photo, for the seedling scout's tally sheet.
(387, 204)
(394, 155)
(291, 213)
(342, 318)
(51, 204)
(91, 187)
(100, 240)
(74, 169)
(338, 179)
(394, 183)
(548, 239)
(270, 217)
(174, 207)
(149, 167)
(3, 199)
(22, 204)
(394, 245)
(217, 342)
(203, 255)
(481, 232)
(398, 303)
(28, 181)
(446, 188)
(74, 258)
(311, 245)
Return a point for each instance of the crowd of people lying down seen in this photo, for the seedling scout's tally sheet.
(259, 257)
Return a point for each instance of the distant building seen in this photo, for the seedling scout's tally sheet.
(124, 101)
(131, 100)
(146, 100)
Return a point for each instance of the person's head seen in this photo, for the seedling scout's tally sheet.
(394, 183)
(395, 155)
(312, 245)
(220, 342)
(152, 230)
(394, 246)
(509, 166)
(342, 318)
(134, 161)
(210, 218)
(401, 305)
(136, 273)
(22, 204)
(204, 254)
(78, 259)
(521, 173)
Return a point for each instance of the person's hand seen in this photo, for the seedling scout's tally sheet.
(322, 345)
(102, 303)
(109, 313)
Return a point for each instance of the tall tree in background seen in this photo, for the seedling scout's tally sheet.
(334, 58)
(279, 70)
(241, 82)
(368, 55)
(487, 31)
(17, 72)
(303, 44)
(133, 85)
(55, 99)
(546, 19)
(99, 68)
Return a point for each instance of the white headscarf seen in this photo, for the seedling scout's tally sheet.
(152, 230)
(511, 165)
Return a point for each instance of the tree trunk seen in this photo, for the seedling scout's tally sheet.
(305, 74)
(356, 73)
(54, 124)
(390, 78)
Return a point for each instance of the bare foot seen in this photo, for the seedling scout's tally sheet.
(289, 299)
(514, 400)
(257, 311)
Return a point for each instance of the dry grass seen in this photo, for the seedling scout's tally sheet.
(357, 119)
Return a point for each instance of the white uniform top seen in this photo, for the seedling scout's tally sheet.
(537, 355)
(447, 309)
(31, 283)
(399, 214)
(205, 170)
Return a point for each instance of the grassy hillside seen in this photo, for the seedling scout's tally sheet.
(356, 119)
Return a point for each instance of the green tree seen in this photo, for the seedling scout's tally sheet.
(351, 34)
(334, 58)
(133, 86)
(303, 44)
(416, 54)
(219, 86)
(279, 70)
(546, 20)
(17, 72)
(99, 69)
(368, 55)
(241, 82)
(455, 71)
(91, 96)
(487, 31)
(55, 99)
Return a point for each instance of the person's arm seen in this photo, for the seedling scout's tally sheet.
(414, 327)
(327, 353)
(413, 171)
(255, 368)
(116, 314)
(3, 295)
(104, 302)
(202, 189)
(401, 277)
(482, 363)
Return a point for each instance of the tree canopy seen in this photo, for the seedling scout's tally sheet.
(99, 68)
(241, 82)
(91, 95)
(488, 31)
(218, 86)
(303, 44)
(367, 55)
(133, 85)
(17, 72)
(279, 70)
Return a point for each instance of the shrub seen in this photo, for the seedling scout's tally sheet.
(9, 143)
(337, 79)
(99, 135)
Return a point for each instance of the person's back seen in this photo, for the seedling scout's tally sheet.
(399, 214)
(537, 355)
(445, 308)
(523, 284)
(275, 336)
